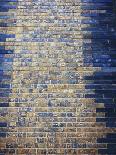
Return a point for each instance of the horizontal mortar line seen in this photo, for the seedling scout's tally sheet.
(17, 57)
(5, 73)
(73, 15)
(46, 67)
(23, 88)
(54, 106)
(69, 32)
(40, 132)
(48, 117)
(21, 1)
(70, 84)
(49, 112)
(36, 127)
(72, 12)
(83, 40)
(84, 93)
(46, 138)
(62, 97)
(81, 13)
(61, 78)
(52, 128)
(22, 25)
(56, 25)
(51, 108)
(91, 73)
(20, 87)
(57, 143)
(14, 41)
(35, 46)
(67, 122)
(63, 131)
(50, 148)
(65, 127)
(80, 6)
(53, 92)
(19, 107)
(48, 132)
(80, 124)
(73, 39)
(66, 68)
(60, 122)
(49, 1)
(14, 81)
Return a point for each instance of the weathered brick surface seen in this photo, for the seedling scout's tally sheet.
(57, 77)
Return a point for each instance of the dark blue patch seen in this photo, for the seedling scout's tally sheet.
(4, 104)
(2, 134)
(3, 124)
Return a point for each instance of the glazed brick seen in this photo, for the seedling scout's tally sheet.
(57, 77)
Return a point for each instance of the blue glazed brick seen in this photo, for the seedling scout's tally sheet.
(6, 51)
(106, 140)
(75, 145)
(111, 124)
(4, 94)
(3, 9)
(3, 24)
(107, 151)
(110, 114)
(3, 124)
(4, 104)
(103, 151)
(105, 109)
(111, 135)
(4, 86)
(2, 134)
(101, 119)
(110, 106)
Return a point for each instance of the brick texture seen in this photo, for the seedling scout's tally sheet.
(57, 77)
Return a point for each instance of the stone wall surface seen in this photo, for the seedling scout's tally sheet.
(57, 77)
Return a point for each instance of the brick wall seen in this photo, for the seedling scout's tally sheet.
(57, 77)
